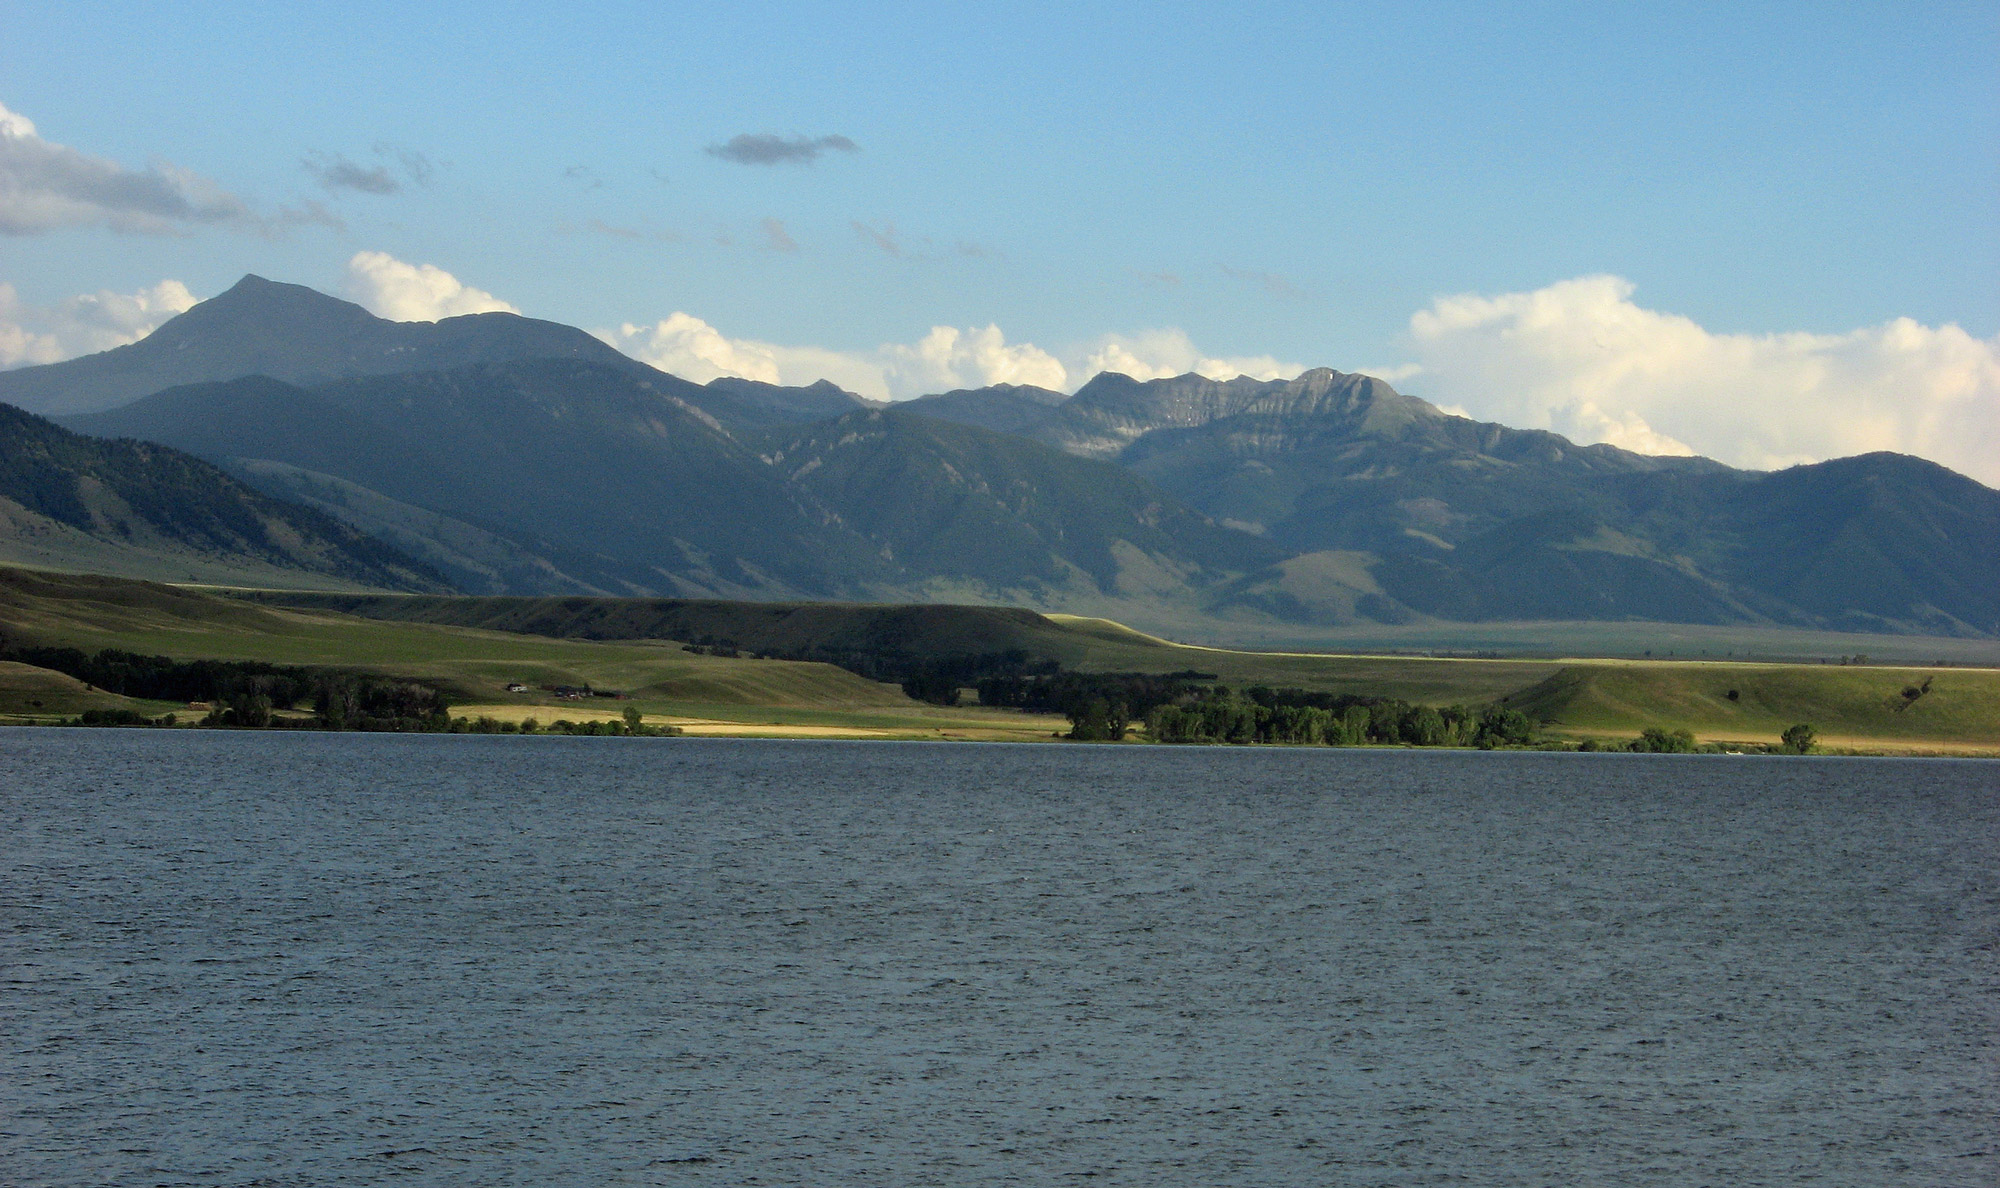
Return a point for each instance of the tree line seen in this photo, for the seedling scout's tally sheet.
(248, 693)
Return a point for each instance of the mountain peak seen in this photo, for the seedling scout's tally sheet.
(292, 333)
(278, 308)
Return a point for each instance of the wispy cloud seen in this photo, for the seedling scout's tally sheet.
(1273, 283)
(84, 324)
(1582, 358)
(387, 176)
(584, 176)
(621, 231)
(884, 237)
(764, 148)
(418, 167)
(776, 237)
(45, 186)
(339, 173)
(402, 292)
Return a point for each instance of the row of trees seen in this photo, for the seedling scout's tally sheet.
(249, 693)
(1182, 708)
(162, 678)
(631, 725)
(1302, 718)
(1796, 740)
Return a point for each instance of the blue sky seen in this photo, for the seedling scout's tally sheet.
(1289, 183)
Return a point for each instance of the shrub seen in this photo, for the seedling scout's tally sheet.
(1656, 741)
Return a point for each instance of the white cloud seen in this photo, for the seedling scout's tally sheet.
(1579, 357)
(948, 358)
(401, 292)
(85, 324)
(45, 186)
(945, 358)
(1159, 354)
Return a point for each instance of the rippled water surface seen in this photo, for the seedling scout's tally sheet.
(297, 959)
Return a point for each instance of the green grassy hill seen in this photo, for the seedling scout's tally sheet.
(1856, 705)
(36, 692)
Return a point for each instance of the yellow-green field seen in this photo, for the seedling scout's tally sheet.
(1854, 707)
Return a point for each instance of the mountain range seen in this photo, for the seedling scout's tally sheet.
(516, 456)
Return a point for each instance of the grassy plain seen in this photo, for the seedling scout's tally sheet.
(1858, 707)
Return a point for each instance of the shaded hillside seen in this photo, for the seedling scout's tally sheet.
(1322, 461)
(596, 477)
(767, 627)
(557, 476)
(1021, 409)
(742, 405)
(1391, 509)
(956, 502)
(292, 333)
(1878, 540)
(130, 507)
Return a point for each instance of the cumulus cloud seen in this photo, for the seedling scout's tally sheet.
(1581, 358)
(45, 186)
(1158, 354)
(85, 324)
(763, 148)
(402, 292)
(690, 348)
(947, 357)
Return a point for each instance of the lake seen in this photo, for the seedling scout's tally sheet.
(291, 959)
